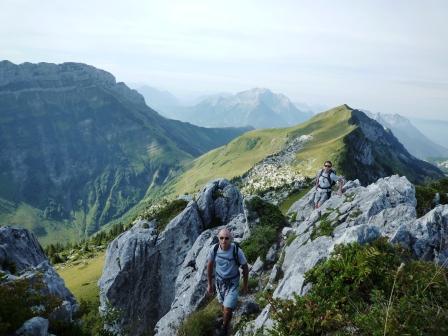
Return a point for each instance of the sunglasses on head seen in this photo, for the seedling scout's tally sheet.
(224, 238)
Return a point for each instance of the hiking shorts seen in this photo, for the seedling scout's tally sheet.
(228, 291)
(321, 196)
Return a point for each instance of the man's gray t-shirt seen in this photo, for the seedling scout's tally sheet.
(323, 179)
(225, 264)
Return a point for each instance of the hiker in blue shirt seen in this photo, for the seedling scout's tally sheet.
(225, 258)
(325, 180)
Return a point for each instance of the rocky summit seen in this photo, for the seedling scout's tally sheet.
(361, 214)
(158, 279)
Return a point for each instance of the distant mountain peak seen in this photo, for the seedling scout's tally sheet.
(413, 140)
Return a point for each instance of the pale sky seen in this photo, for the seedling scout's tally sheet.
(383, 56)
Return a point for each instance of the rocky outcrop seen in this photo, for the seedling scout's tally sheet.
(427, 237)
(36, 326)
(219, 202)
(160, 264)
(361, 214)
(22, 258)
(152, 262)
(20, 247)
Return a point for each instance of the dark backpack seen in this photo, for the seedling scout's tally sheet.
(236, 246)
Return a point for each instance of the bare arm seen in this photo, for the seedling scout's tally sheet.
(210, 277)
(341, 184)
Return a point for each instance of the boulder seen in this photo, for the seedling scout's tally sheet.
(256, 268)
(19, 247)
(36, 326)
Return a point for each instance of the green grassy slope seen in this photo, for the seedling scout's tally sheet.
(47, 231)
(342, 135)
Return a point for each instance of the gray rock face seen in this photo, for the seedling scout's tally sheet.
(219, 199)
(151, 261)
(20, 247)
(36, 326)
(427, 237)
(361, 214)
(167, 269)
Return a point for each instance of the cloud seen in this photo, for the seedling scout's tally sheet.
(371, 53)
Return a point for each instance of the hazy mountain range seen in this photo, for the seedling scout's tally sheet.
(436, 130)
(259, 108)
(78, 149)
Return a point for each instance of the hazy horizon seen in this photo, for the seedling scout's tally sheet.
(388, 57)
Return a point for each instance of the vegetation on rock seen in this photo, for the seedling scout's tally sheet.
(375, 289)
(202, 322)
(265, 233)
(164, 212)
(426, 195)
(21, 300)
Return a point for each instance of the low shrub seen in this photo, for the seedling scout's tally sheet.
(166, 213)
(265, 233)
(426, 193)
(375, 289)
(323, 228)
(19, 300)
(201, 322)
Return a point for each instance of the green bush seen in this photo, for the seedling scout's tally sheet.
(168, 212)
(425, 195)
(17, 299)
(265, 233)
(324, 227)
(201, 322)
(374, 289)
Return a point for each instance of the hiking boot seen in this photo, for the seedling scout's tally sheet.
(223, 332)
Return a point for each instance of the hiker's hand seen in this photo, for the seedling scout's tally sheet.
(210, 289)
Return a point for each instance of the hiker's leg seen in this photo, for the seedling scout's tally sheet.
(322, 199)
(226, 318)
(230, 302)
(316, 199)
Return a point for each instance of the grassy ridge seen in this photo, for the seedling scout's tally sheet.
(234, 159)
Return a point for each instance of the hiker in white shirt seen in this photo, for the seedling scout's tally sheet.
(325, 179)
